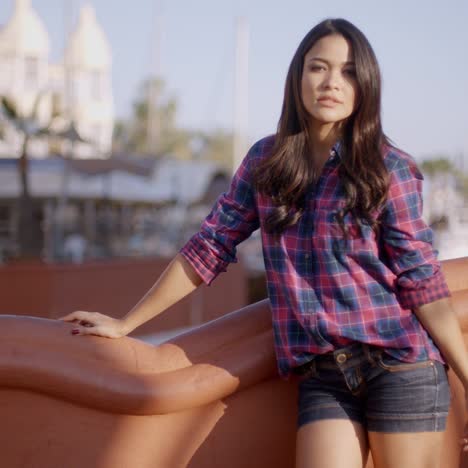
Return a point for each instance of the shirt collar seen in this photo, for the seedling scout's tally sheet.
(337, 148)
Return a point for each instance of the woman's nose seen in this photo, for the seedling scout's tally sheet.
(332, 80)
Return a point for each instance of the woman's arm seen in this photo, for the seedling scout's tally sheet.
(440, 320)
(420, 283)
(233, 218)
(406, 239)
(177, 281)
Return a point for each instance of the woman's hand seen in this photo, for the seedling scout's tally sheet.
(94, 323)
(464, 440)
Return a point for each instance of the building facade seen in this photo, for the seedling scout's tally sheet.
(79, 84)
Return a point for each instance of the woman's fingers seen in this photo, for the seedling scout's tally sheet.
(84, 323)
(85, 319)
(104, 332)
(81, 330)
(464, 444)
(94, 323)
(78, 316)
(464, 441)
(81, 321)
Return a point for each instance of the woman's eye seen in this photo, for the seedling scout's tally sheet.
(316, 68)
(350, 72)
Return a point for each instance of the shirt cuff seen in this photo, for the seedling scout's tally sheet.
(416, 294)
(203, 261)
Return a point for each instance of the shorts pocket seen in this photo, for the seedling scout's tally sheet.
(391, 364)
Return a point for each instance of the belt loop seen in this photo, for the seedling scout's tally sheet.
(311, 369)
(368, 354)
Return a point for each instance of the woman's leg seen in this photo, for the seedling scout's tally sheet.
(331, 443)
(407, 408)
(406, 450)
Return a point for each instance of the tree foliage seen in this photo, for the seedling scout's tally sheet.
(152, 129)
(28, 126)
(438, 165)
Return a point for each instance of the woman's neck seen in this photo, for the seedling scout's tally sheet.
(323, 138)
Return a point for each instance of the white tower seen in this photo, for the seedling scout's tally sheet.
(88, 88)
(24, 56)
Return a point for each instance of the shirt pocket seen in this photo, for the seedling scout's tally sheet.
(329, 235)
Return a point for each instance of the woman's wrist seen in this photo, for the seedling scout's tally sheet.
(463, 377)
(125, 326)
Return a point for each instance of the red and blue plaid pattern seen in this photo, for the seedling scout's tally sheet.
(326, 290)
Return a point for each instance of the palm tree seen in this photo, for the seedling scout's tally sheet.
(72, 136)
(29, 127)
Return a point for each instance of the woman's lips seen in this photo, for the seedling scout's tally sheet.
(328, 102)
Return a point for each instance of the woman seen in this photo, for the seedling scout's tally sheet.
(361, 310)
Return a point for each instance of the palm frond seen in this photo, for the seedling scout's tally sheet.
(9, 108)
(57, 106)
(44, 132)
(35, 109)
(29, 127)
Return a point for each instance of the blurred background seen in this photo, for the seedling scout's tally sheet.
(121, 122)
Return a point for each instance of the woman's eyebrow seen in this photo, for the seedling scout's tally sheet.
(320, 59)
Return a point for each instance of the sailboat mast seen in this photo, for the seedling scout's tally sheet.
(241, 98)
(153, 130)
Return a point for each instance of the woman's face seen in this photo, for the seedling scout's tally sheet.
(329, 88)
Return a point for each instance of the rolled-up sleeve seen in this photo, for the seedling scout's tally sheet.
(408, 241)
(232, 219)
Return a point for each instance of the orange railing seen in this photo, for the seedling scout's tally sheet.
(209, 398)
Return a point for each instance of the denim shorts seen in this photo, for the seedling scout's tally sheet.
(364, 384)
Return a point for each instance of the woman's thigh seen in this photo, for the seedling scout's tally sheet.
(406, 412)
(406, 450)
(408, 398)
(331, 443)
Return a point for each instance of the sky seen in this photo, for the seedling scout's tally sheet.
(421, 45)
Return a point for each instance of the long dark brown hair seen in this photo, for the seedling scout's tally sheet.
(287, 174)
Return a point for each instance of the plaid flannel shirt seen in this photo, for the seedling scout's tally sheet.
(327, 291)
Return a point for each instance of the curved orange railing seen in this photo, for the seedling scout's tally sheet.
(214, 388)
(130, 377)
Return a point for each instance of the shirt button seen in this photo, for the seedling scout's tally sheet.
(341, 358)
